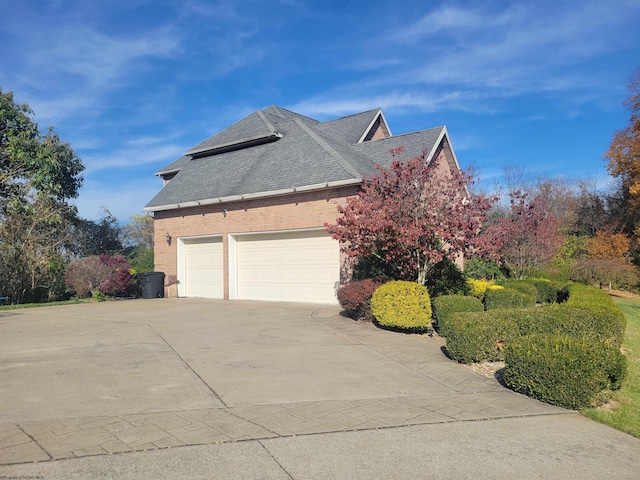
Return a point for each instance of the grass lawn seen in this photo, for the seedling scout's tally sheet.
(35, 305)
(624, 413)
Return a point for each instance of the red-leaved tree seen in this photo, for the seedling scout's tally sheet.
(527, 237)
(412, 217)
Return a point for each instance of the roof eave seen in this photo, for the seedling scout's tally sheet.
(257, 195)
(379, 115)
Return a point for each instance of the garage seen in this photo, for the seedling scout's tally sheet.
(294, 266)
(200, 267)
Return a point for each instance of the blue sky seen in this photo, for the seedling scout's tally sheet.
(133, 84)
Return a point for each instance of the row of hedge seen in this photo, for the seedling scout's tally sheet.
(542, 346)
(502, 295)
(565, 354)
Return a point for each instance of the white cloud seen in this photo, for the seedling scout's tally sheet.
(334, 104)
(95, 57)
(132, 156)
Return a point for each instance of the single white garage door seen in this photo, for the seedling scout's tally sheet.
(203, 268)
(302, 266)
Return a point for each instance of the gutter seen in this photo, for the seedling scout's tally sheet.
(252, 196)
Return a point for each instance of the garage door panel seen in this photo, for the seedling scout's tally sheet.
(204, 275)
(293, 266)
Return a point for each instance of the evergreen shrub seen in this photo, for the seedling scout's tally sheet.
(548, 291)
(522, 286)
(402, 305)
(478, 336)
(445, 305)
(507, 298)
(600, 303)
(571, 372)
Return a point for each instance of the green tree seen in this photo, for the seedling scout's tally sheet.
(95, 238)
(137, 237)
(30, 160)
(38, 175)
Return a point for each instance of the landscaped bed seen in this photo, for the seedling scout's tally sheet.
(561, 344)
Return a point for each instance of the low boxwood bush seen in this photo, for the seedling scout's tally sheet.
(571, 372)
(600, 303)
(355, 297)
(548, 291)
(522, 286)
(445, 305)
(478, 336)
(507, 298)
(567, 320)
(402, 305)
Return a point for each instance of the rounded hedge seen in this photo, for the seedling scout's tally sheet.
(507, 298)
(570, 372)
(478, 336)
(402, 305)
(445, 305)
(523, 286)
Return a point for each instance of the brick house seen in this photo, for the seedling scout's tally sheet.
(242, 214)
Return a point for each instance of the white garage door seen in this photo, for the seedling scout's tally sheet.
(290, 267)
(203, 268)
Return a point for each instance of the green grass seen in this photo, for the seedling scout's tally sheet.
(624, 414)
(35, 305)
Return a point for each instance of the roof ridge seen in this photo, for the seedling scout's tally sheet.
(265, 120)
(282, 115)
(392, 137)
(335, 155)
(352, 115)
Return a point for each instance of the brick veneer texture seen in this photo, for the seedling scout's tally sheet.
(287, 212)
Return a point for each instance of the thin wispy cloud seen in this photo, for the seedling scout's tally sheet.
(132, 84)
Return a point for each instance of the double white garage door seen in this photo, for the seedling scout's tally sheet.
(298, 266)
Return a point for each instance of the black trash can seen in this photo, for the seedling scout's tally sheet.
(152, 284)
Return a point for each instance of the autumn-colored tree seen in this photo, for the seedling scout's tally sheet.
(527, 235)
(608, 245)
(412, 217)
(623, 158)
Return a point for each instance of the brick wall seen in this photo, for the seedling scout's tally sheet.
(298, 211)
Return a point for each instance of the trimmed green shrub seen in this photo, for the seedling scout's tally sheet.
(570, 372)
(600, 303)
(506, 298)
(522, 286)
(445, 305)
(402, 305)
(478, 336)
(567, 320)
(548, 291)
(355, 297)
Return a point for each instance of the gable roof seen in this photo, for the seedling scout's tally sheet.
(275, 151)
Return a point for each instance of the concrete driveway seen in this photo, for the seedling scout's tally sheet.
(267, 390)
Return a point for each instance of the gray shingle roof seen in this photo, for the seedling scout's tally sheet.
(414, 143)
(350, 129)
(304, 153)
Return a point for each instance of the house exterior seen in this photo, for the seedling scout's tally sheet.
(242, 214)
